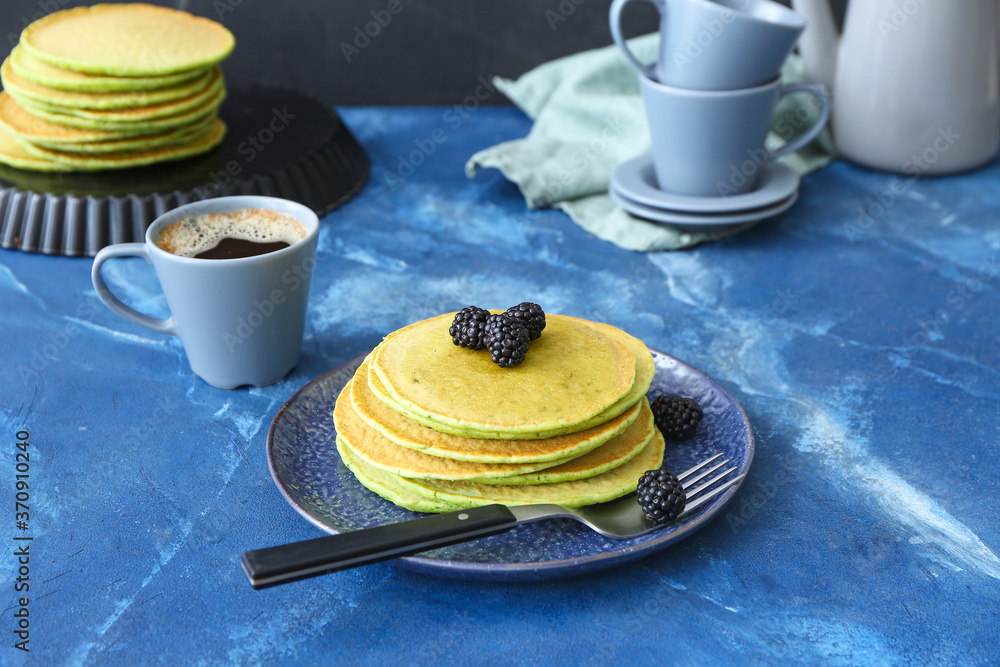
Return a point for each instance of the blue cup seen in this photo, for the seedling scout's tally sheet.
(711, 143)
(240, 320)
(716, 44)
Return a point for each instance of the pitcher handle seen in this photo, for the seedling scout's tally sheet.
(614, 20)
(810, 134)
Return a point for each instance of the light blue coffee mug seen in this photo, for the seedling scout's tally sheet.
(711, 143)
(716, 44)
(240, 320)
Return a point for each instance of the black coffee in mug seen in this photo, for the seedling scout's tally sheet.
(246, 232)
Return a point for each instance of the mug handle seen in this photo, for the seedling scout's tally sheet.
(614, 20)
(810, 134)
(114, 303)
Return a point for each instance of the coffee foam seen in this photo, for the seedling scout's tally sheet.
(196, 233)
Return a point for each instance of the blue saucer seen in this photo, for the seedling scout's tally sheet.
(636, 181)
(701, 222)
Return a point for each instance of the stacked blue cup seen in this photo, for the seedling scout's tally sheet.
(711, 95)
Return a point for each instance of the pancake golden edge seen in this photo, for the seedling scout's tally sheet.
(370, 446)
(13, 154)
(212, 86)
(517, 396)
(150, 126)
(412, 435)
(44, 74)
(601, 488)
(386, 485)
(200, 143)
(644, 372)
(427, 374)
(17, 85)
(29, 127)
(127, 40)
(172, 137)
(628, 401)
(614, 453)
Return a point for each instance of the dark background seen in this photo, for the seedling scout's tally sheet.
(429, 52)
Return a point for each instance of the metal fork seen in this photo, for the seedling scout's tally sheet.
(622, 518)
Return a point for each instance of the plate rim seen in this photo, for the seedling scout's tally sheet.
(523, 570)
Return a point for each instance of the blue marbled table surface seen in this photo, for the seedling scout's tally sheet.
(864, 349)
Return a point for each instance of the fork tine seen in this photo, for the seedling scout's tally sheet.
(701, 487)
(701, 500)
(687, 473)
(697, 478)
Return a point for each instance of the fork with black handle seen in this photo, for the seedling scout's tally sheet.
(620, 519)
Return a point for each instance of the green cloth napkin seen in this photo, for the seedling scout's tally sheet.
(589, 118)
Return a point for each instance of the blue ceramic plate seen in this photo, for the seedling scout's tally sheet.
(302, 455)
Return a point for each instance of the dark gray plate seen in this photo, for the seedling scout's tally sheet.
(302, 455)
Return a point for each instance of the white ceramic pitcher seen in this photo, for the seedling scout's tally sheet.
(916, 83)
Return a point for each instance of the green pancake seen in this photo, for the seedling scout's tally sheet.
(209, 89)
(412, 435)
(28, 127)
(370, 446)
(174, 137)
(615, 452)
(644, 371)
(21, 87)
(571, 373)
(13, 154)
(201, 142)
(387, 485)
(44, 74)
(602, 488)
(129, 127)
(127, 40)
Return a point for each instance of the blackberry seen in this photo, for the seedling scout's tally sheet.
(506, 339)
(676, 417)
(467, 329)
(661, 496)
(530, 315)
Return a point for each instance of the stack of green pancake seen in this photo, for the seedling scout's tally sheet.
(111, 87)
(434, 427)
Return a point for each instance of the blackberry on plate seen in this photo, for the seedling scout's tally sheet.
(676, 417)
(530, 315)
(661, 496)
(506, 339)
(467, 329)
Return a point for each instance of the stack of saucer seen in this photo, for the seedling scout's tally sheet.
(112, 86)
(635, 189)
